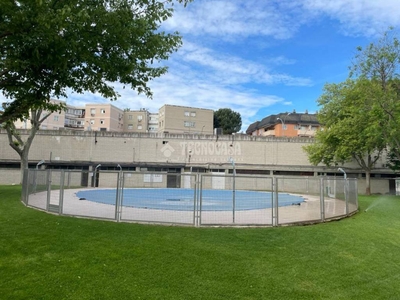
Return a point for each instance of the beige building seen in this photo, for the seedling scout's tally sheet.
(103, 117)
(136, 120)
(107, 117)
(182, 119)
(177, 153)
(74, 117)
(54, 121)
(153, 122)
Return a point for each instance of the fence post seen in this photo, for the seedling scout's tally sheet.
(195, 200)
(61, 196)
(233, 196)
(322, 198)
(48, 187)
(200, 200)
(275, 200)
(118, 199)
(346, 196)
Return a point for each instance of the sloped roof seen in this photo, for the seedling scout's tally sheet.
(252, 127)
(291, 118)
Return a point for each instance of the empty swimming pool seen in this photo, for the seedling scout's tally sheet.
(184, 199)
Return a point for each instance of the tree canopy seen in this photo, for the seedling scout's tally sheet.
(361, 116)
(227, 119)
(350, 130)
(51, 47)
(380, 63)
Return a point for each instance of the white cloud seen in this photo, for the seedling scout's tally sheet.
(228, 69)
(357, 17)
(233, 19)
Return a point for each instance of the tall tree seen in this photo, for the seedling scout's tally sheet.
(350, 128)
(49, 46)
(227, 119)
(380, 63)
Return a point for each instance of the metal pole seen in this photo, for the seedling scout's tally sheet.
(233, 187)
(61, 196)
(200, 201)
(322, 199)
(195, 200)
(48, 186)
(117, 198)
(95, 174)
(345, 190)
(275, 219)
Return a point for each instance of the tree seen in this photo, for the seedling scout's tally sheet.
(380, 64)
(393, 162)
(227, 119)
(350, 128)
(49, 47)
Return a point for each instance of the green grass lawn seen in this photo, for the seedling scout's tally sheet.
(44, 256)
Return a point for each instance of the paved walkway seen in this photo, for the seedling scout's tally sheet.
(307, 211)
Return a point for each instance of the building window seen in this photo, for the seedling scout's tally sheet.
(92, 111)
(103, 111)
(130, 126)
(44, 126)
(187, 114)
(101, 121)
(139, 118)
(139, 127)
(193, 114)
(189, 124)
(55, 118)
(130, 117)
(92, 122)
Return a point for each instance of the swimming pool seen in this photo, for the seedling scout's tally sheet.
(184, 199)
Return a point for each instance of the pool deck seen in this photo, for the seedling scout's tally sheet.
(307, 212)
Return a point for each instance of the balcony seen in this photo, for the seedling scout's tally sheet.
(268, 133)
(306, 132)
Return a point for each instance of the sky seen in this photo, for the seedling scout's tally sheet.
(259, 57)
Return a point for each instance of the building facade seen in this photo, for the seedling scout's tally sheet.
(178, 153)
(286, 125)
(183, 119)
(103, 117)
(107, 117)
(54, 121)
(74, 117)
(136, 120)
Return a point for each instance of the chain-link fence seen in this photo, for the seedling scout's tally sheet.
(191, 199)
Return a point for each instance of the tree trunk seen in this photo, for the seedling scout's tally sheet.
(24, 162)
(20, 146)
(367, 182)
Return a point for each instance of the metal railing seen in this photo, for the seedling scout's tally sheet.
(190, 198)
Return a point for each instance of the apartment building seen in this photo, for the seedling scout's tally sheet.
(104, 117)
(183, 119)
(107, 117)
(74, 117)
(153, 123)
(136, 120)
(54, 121)
(286, 125)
